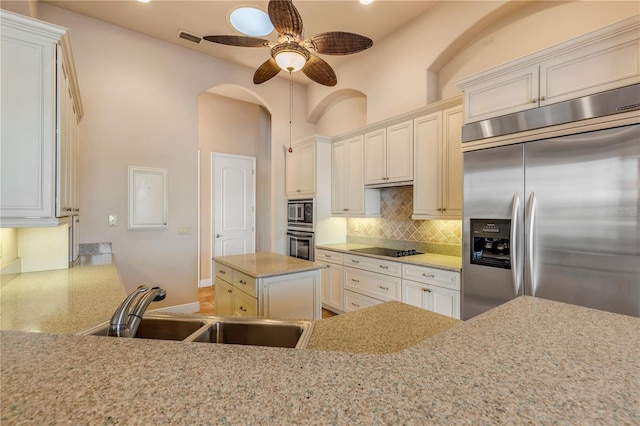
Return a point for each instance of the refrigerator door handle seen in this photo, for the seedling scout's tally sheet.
(531, 221)
(515, 212)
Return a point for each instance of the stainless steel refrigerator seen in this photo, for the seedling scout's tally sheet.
(555, 218)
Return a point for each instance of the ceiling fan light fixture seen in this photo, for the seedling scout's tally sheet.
(290, 57)
(251, 21)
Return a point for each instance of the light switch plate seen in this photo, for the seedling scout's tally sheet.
(113, 220)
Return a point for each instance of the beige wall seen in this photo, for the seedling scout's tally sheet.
(9, 245)
(140, 97)
(460, 38)
(231, 126)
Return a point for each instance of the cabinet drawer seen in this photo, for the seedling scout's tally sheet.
(433, 276)
(244, 305)
(223, 272)
(245, 283)
(354, 301)
(329, 256)
(373, 264)
(380, 286)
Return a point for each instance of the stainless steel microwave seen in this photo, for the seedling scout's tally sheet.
(300, 215)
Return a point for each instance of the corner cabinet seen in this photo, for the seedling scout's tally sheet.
(40, 113)
(601, 60)
(388, 155)
(348, 194)
(437, 187)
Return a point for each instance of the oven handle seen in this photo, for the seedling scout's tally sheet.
(300, 235)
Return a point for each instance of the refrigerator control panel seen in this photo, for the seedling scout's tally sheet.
(491, 242)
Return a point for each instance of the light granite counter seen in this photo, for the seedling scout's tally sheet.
(265, 264)
(440, 261)
(530, 361)
(62, 301)
(380, 329)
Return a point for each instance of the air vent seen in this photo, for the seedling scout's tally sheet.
(190, 37)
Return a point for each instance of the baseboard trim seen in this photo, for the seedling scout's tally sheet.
(205, 283)
(187, 308)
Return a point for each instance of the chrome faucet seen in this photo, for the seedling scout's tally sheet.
(125, 320)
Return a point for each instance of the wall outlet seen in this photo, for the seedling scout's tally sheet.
(184, 230)
(113, 220)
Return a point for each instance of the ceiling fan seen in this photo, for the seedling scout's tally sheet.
(291, 52)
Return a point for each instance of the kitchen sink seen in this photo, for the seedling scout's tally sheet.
(219, 329)
(162, 328)
(258, 332)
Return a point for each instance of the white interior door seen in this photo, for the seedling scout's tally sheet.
(233, 209)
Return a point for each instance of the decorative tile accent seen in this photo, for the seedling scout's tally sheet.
(396, 225)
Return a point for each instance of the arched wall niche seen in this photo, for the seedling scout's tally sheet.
(232, 119)
(339, 112)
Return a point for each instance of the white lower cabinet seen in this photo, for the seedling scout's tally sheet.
(354, 301)
(364, 281)
(332, 285)
(296, 295)
(224, 297)
(432, 289)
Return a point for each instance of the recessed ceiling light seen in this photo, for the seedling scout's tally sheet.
(143, 1)
(366, 1)
(251, 21)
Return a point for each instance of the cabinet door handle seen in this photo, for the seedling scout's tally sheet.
(428, 275)
(327, 255)
(219, 235)
(346, 210)
(384, 266)
(229, 291)
(533, 101)
(242, 282)
(354, 280)
(384, 288)
(543, 98)
(243, 309)
(356, 305)
(426, 290)
(223, 272)
(355, 261)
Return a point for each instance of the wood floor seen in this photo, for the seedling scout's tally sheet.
(207, 299)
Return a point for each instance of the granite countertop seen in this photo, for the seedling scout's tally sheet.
(265, 264)
(528, 361)
(385, 328)
(440, 261)
(63, 301)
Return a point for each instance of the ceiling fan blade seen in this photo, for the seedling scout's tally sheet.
(320, 71)
(235, 40)
(339, 43)
(266, 71)
(285, 17)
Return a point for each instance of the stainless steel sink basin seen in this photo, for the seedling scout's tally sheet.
(214, 329)
(163, 328)
(258, 332)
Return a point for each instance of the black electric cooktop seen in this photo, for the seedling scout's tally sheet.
(382, 251)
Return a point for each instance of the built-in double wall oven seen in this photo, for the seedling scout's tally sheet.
(300, 228)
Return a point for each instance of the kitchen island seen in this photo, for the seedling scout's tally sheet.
(268, 285)
(528, 361)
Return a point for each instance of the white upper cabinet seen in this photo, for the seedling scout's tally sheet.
(348, 194)
(602, 60)
(40, 109)
(389, 155)
(301, 170)
(437, 188)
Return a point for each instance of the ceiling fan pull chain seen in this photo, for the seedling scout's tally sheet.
(290, 109)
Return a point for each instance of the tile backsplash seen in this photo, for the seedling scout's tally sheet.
(395, 224)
